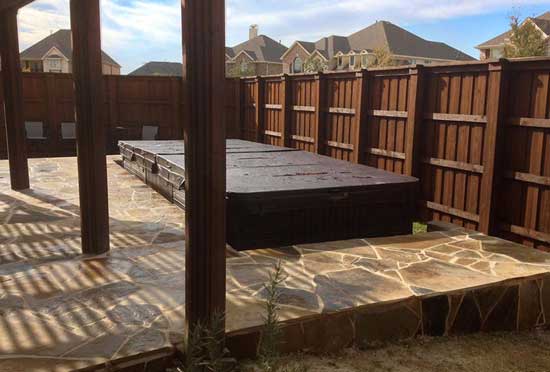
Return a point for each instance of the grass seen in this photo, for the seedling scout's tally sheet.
(419, 227)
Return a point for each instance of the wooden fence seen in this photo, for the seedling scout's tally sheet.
(477, 135)
(130, 103)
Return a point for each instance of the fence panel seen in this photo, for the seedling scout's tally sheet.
(130, 104)
(387, 119)
(524, 207)
(305, 113)
(341, 120)
(249, 99)
(273, 114)
(452, 153)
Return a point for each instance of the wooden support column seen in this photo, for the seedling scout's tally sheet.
(203, 24)
(90, 128)
(286, 100)
(492, 146)
(415, 106)
(13, 100)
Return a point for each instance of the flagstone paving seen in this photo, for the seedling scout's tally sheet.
(60, 310)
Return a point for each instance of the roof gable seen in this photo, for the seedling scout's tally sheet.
(542, 22)
(261, 49)
(62, 41)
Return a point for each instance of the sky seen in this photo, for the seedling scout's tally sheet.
(138, 31)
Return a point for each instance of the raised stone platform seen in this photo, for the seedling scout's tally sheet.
(62, 311)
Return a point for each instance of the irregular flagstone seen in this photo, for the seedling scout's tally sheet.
(56, 303)
(440, 276)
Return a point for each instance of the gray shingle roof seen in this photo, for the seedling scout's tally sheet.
(384, 34)
(542, 21)
(261, 49)
(63, 42)
(159, 69)
(399, 41)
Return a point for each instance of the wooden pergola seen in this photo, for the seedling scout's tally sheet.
(203, 36)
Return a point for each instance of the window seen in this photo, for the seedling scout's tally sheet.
(297, 65)
(352, 61)
(364, 60)
(244, 67)
(68, 131)
(54, 64)
(497, 53)
(34, 129)
(340, 61)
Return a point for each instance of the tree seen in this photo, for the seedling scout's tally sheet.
(315, 64)
(526, 40)
(242, 69)
(382, 58)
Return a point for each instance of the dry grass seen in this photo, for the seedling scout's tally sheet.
(510, 352)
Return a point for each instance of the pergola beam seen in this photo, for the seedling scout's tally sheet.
(90, 128)
(13, 4)
(203, 25)
(13, 100)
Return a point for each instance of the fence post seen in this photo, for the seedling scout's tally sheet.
(113, 124)
(177, 123)
(496, 101)
(240, 109)
(54, 137)
(237, 126)
(286, 100)
(361, 90)
(260, 105)
(415, 106)
(320, 112)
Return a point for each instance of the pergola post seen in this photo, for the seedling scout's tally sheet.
(13, 100)
(90, 130)
(203, 23)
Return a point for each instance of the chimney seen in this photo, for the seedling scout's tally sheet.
(253, 32)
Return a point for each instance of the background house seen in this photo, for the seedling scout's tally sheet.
(259, 55)
(54, 54)
(494, 48)
(159, 69)
(357, 50)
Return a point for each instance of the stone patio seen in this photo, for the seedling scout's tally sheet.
(64, 311)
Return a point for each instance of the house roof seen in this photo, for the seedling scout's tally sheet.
(261, 49)
(399, 41)
(542, 21)
(62, 40)
(159, 69)
(385, 34)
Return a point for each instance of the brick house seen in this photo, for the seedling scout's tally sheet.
(54, 54)
(494, 48)
(259, 55)
(357, 50)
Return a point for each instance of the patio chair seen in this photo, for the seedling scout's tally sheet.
(68, 131)
(34, 130)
